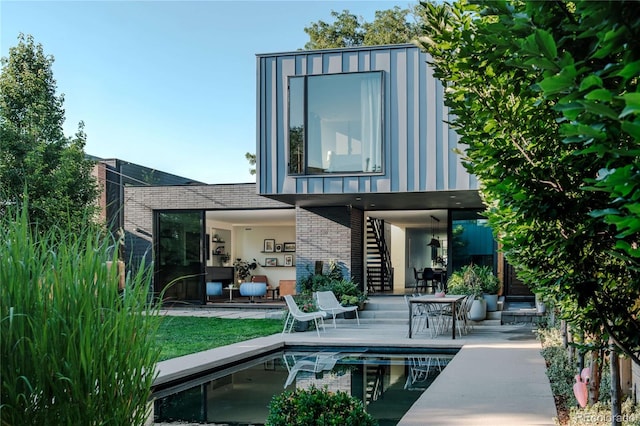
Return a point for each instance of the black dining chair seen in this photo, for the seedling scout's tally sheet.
(430, 279)
(417, 275)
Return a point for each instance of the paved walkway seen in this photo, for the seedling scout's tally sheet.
(497, 378)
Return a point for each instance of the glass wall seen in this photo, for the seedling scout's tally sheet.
(179, 267)
(336, 122)
(471, 240)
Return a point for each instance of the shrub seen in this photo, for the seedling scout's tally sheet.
(314, 406)
(74, 349)
(346, 291)
(473, 280)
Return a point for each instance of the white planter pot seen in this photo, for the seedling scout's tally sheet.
(492, 302)
(478, 310)
(541, 307)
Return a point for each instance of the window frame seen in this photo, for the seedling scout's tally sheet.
(305, 139)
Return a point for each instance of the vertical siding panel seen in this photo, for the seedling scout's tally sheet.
(260, 140)
(314, 64)
(316, 185)
(332, 63)
(285, 183)
(272, 131)
(350, 62)
(393, 143)
(413, 118)
(332, 185)
(433, 124)
(399, 65)
(364, 61)
(442, 135)
(422, 118)
(351, 185)
(380, 61)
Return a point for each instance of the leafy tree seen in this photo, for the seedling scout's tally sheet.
(35, 156)
(544, 95)
(346, 31)
(251, 158)
(390, 26)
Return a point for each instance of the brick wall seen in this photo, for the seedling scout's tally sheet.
(323, 233)
(140, 202)
(357, 247)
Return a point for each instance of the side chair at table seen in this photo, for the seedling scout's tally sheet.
(328, 303)
(295, 314)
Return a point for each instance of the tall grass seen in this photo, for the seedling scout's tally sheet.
(74, 350)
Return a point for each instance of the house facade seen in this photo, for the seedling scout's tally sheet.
(356, 139)
(356, 166)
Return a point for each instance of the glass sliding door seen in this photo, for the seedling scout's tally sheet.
(471, 240)
(179, 256)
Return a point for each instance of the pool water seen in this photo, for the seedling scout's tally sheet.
(387, 384)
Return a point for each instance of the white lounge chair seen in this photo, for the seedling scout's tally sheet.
(295, 314)
(328, 302)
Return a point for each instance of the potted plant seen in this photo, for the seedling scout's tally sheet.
(243, 269)
(490, 286)
(348, 293)
(306, 304)
(467, 281)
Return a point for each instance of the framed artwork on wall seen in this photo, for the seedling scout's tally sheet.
(289, 247)
(271, 261)
(269, 245)
(288, 260)
(278, 247)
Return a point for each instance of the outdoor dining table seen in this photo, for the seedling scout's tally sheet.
(452, 299)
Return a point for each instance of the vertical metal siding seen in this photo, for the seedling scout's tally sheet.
(399, 63)
(418, 144)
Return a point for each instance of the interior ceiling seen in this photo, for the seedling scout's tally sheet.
(407, 209)
(287, 217)
(414, 218)
(271, 217)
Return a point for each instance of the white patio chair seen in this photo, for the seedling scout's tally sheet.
(295, 314)
(463, 325)
(328, 302)
(427, 316)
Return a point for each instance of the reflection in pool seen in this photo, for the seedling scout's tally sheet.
(387, 383)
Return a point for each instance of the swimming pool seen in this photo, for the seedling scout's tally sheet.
(387, 382)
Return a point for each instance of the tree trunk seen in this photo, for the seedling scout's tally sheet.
(595, 376)
(616, 412)
(563, 332)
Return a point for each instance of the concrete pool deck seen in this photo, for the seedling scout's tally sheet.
(497, 377)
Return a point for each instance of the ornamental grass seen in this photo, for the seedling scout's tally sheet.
(75, 349)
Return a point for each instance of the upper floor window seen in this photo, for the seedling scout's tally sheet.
(335, 123)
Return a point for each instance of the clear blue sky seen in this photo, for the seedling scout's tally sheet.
(168, 84)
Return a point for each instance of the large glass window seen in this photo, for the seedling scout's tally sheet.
(335, 123)
(472, 240)
(179, 256)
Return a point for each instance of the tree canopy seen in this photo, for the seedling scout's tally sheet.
(392, 26)
(36, 158)
(545, 96)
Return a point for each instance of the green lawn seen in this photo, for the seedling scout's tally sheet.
(179, 336)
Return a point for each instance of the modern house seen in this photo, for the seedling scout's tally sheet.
(356, 165)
